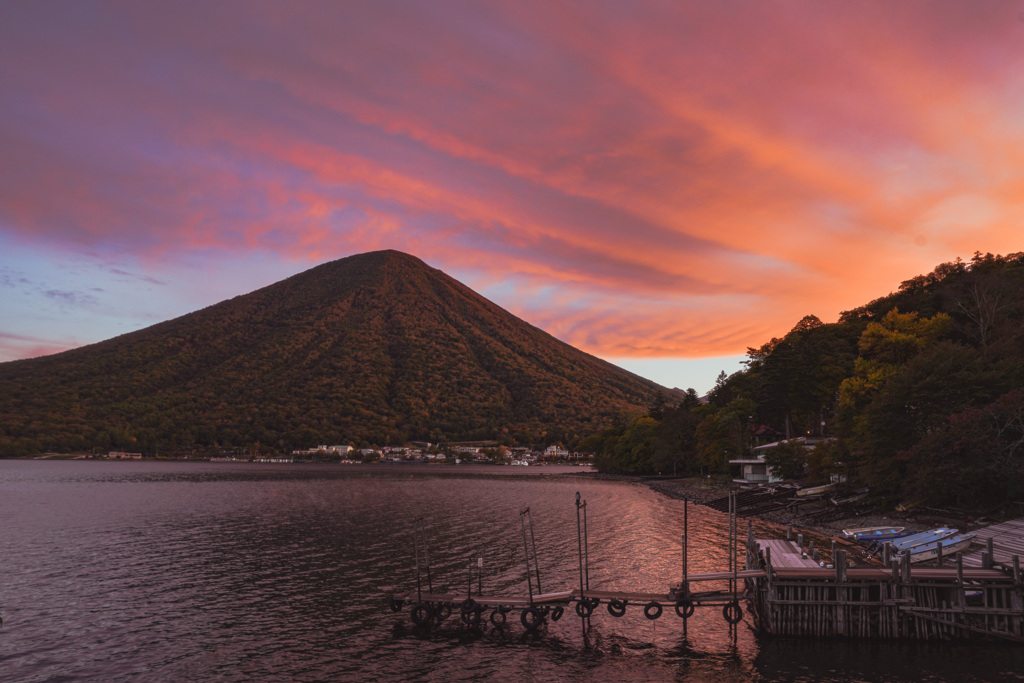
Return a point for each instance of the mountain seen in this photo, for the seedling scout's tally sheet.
(374, 348)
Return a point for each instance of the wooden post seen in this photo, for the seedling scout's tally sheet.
(986, 559)
(938, 552)
(961, 596)
(789, 532)
(840, 620)
(1016, 569)
(800, 542)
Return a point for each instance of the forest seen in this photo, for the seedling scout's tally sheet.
(919, 395)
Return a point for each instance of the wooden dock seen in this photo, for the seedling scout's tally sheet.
(1007, 540)
(789, 592)
(797, 598)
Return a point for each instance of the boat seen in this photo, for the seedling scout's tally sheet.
(853, 497)
(850, 533)
(950, 545)
(814, 490)
(875, 533)
(923, 537)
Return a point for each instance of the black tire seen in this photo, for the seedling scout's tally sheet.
(531, 618)
(732, 612)
(617, 608)
(584, 609)
(556, 613)
(652, 610)
(467, 605)
(421, 614)
(684, 609)
(395, 604)
(444, 610)
(498, 617)
(471, 618)
(594, 602)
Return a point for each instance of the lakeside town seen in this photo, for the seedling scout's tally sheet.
(481, 453)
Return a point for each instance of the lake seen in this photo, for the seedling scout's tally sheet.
(144, 570)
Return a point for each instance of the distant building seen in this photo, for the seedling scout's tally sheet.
(121, 455)
(754, 469)
(555, 452)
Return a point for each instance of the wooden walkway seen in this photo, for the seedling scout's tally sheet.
(1007, 541)
(786, 554)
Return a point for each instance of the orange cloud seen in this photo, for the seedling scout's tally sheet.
(645, 179)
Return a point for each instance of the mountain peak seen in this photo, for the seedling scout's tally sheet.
(376, 347)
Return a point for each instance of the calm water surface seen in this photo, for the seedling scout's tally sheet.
(220, 571)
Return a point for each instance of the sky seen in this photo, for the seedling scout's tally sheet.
(660, 183)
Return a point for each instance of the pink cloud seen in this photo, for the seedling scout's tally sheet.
(640, 179)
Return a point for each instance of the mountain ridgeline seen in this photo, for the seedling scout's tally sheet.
(377, 348)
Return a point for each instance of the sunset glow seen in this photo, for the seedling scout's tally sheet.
(661, 182)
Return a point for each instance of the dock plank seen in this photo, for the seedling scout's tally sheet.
(1007, 541)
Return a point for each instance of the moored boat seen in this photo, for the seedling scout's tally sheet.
(876, 533)
(929, 551)
(815, 490)
(923, 537)
(850, 533)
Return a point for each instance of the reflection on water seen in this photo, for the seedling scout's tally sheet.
(165, 571)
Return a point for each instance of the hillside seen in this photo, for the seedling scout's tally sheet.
(374, 348)
(917, 395)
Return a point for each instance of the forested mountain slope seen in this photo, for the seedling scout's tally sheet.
(375, 348)
(922, 391)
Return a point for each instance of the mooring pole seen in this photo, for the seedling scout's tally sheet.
(416, 549)
(479, 576)
(732, 519)
(579, 545)
(733, 532)
(586, 547)
(526, 551)
(533, 542)
(685, 585)
(426, 555)
(469, 587)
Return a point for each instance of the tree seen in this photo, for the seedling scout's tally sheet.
(676, 448)
(976, 459)
(787, 460)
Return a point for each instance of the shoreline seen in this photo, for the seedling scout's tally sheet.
(820, 518)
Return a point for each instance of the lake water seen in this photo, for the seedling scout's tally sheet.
(221, 571)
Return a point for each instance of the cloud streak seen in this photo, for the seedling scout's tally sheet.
(641, 179)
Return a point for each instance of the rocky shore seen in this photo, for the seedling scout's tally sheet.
(821, 518)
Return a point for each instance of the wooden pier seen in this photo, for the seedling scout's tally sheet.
(788, 591)
(797, 597)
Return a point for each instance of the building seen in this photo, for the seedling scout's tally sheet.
(753, 468)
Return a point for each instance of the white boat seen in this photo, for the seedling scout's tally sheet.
(950, 545)
(815, 490)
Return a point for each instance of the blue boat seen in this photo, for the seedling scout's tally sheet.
(929, 550)
(923, 537)
(879, 534)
